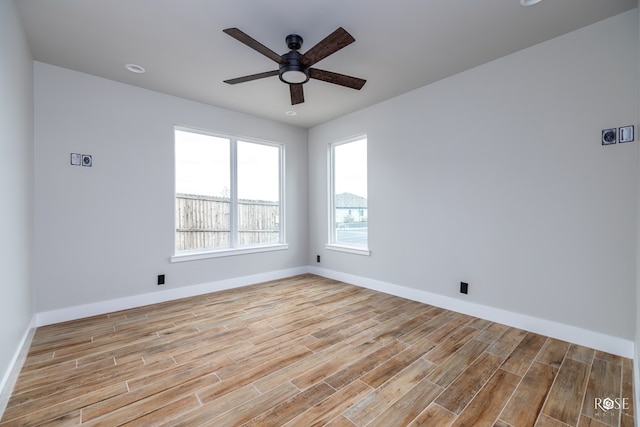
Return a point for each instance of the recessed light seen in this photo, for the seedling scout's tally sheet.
(529, 2)
(291, 113)
(135, 68)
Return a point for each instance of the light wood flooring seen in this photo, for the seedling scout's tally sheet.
(309, 351)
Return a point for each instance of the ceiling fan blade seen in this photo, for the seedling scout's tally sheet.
(336, 78)
(329, 45)
(254, 44)
(297, 94)
(252, 77)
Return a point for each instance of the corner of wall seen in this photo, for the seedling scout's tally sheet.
(10, 377)
(16, 138)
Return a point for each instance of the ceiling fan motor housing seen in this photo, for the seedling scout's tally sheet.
(292, 71)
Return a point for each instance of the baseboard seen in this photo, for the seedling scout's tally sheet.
(636, 386)
(103, 307)
(592, 339)
(11, 375)
(596, 340)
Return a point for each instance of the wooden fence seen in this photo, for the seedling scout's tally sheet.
(204, 222)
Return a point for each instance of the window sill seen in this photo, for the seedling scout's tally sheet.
(348, 249)
(196, 255)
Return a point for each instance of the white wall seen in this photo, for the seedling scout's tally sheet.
(16, 186)
(636, 365)
(106, 232)
(496, 176)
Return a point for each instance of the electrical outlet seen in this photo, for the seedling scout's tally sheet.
(160, 279)
(317, 258)
(609, 136)
(464, 288)
(87, 160)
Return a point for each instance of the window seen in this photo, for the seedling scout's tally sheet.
(348, 227)
(228, 195)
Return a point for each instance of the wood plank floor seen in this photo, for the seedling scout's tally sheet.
(309, 351)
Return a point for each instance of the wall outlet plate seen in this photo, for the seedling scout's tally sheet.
(87, 160)
(625, 134)
(609, 136)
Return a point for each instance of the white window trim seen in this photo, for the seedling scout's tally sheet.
(348, 249)
(218, 253)
(234, 250)
(333, 245)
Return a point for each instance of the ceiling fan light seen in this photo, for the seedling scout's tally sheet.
(293, 76)
(529, 2)
(135, 68)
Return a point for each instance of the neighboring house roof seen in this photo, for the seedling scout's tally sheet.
(349, 200)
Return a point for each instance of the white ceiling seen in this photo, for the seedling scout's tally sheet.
(400, 45)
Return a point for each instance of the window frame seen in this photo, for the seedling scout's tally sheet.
(233, 248)
(333, 244)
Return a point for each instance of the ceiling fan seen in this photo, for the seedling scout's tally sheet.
(295, 68)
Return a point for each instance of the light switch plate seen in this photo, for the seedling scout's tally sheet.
(76, 159)
(625, 134)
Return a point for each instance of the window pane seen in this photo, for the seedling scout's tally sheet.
(350, 193)
(202, 191)
(258, 193)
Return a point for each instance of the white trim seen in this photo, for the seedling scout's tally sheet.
(233, 193)
(331, 229)
(282, 166)
(347, 249)
(192, 256)
(636, 386)
(103, 307)
(15, 366)
(596, 340)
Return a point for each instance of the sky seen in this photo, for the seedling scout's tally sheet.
(351, 168)
(203, 167)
